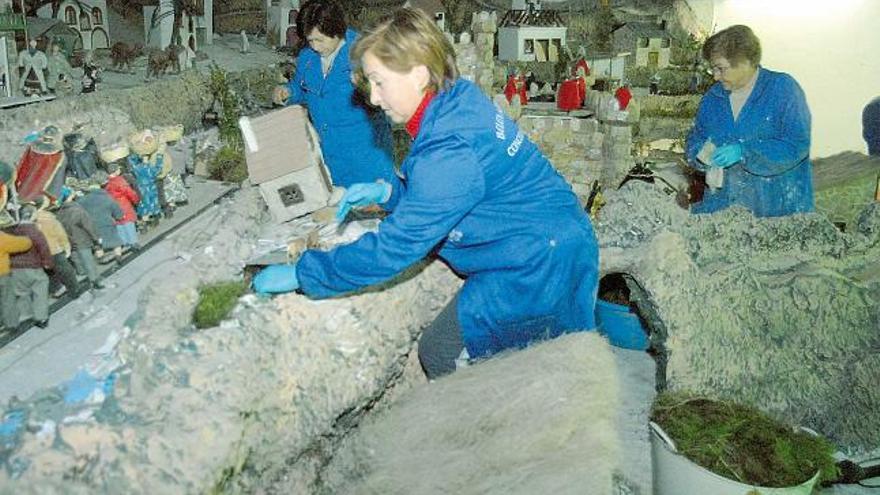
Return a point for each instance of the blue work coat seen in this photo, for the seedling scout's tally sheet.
(477, 191)
(775, 176)
(355, 140)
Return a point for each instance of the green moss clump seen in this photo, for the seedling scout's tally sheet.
(742, 443)
(216, 301)
(228, 164)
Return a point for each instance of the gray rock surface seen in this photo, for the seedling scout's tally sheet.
(781, 313)
(199, 410)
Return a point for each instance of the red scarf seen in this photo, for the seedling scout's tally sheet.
(415, 122)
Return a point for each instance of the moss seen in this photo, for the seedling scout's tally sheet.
(228, 164)
(215, 302)
(742, 443)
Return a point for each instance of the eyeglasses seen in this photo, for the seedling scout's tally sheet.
(717, 69)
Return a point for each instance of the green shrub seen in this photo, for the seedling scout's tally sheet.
(229, 164)
(742, 443)
(215, 302)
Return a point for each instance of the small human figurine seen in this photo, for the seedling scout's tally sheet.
(245, 44)
(654, 86)
(58, 67)
(146, 162)
(91, 74)
(40, 171)
(189, 57)
(32, 62)
(581, 72)
(4, 87)
(126, 197)
(623, 95)
(516, 85)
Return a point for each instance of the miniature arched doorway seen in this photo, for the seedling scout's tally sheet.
(97, 16)
(100, 39)
(70, 15)
(85, 22)
(192, 42)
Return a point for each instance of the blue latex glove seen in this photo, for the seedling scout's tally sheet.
(275, 279)
(362, 194)
(727, 155)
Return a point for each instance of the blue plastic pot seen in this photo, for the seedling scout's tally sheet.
(621, 326)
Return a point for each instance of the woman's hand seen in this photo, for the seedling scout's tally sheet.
(362, 194)
(727, 155)
(275, 279)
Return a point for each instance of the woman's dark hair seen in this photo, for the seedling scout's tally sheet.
(326, 15)
(736, 43)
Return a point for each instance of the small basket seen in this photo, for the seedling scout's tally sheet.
(170, 133)
(114, 152)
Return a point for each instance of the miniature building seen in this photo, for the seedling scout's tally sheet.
(48, 31)
(281, 22)
(531, 35)
(87, 17)
(434, 9)
(648, 44)
(10, 24)
(196, 28)
(607, 67)
(284, 158)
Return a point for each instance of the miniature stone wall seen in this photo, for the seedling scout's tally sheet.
(200, 411)
(474, 53)
(780, 313)
(110, 114)
(583, 149)
(573, 146)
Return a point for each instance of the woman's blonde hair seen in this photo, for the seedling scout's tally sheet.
(409, 38)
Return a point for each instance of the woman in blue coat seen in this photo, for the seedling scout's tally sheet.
(476, 192)
(759, 123)
(355, 140)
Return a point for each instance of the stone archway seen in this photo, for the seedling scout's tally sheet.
(100, 39)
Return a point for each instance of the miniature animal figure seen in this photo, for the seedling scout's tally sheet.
(173, 52)
(158, 61)
(124, 54)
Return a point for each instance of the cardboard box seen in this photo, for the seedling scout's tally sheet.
(284, 159)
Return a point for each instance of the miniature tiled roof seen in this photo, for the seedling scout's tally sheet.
(645, 29)
(38, 26)
(538, 18)
(429, 6)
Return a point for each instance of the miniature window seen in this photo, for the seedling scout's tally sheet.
(529, 46)
(291, 17)
(70, 15)
(97, 16)
(664, 43)
(84, 22)
(643, 42)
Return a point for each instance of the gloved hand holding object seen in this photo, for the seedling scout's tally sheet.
(276, 279)
(727, 155)
(362, 194)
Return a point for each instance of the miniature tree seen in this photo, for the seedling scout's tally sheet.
(603, 28)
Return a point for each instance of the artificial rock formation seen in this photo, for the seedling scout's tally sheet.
(780, 313)
(193, 411)
(541, 420)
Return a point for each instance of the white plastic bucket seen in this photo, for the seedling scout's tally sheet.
(674, 474)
